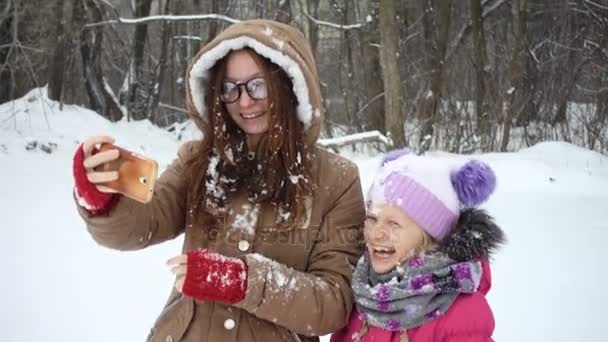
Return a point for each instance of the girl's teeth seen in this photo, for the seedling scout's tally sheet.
(384, 252)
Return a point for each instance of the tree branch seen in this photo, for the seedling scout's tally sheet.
(188, 38)
(368, 103)
(467, 27)
(5, 12)
(596, 5)
(168, 106)
(334, 25)
(593, 91)
(21, 46)
(355, 138)
(153, 18)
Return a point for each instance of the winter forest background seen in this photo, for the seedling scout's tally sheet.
(464, 76)
(479, 77)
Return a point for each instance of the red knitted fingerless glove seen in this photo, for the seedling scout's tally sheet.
(211, 276)
(94, 201)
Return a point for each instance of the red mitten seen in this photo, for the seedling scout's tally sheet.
(93, 200)
(211, 276)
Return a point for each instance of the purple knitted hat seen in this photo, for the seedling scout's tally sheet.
(432, 190)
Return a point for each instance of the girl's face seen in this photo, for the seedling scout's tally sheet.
(250, 114)
(391, 237)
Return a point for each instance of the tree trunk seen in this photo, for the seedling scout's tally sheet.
(159, 73)
(58, 58)
(137, 88)
(283, 12)
(6, 36)
(515, 69)
(313, 30)
(214, 25)
(370, 106)
(389, 57)
(100, 99)
(436, 46)
(351, 100)
(482, 77)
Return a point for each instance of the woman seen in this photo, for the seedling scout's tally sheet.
(272, 223)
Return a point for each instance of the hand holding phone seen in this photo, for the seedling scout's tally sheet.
(136, 174)
(115, 169)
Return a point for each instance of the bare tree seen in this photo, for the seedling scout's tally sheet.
(514, 92)
(469, 76)
(389, 56)
(283, 12)
(136, 100)
(62, 12)
(7, 37)
(370, 108)
(101, 99)
(435, 26)
(159, 71)
(482, 77)
(313, 30)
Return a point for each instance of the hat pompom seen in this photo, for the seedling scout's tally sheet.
(394, 154)
(474, 182)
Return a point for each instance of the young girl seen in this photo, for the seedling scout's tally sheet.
(425, 272)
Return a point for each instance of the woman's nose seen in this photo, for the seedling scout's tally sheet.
(245, 100)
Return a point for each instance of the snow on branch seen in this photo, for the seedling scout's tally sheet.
(177, 109)
(153, 18)
(467, 27)
(188, 38)
(334, 25)
(372, 136)
(604, 7)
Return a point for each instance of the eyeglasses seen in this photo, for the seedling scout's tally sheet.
(255, 87)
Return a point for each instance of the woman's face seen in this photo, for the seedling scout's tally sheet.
(391, 237)
(249, 114)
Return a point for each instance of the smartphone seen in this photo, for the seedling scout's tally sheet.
(136, 174)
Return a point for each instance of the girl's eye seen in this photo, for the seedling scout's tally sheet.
(394, 224)
(370, 220)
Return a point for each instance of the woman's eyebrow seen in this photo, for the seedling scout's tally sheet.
(232, 79)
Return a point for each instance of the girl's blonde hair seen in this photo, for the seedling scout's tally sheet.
(428, 244)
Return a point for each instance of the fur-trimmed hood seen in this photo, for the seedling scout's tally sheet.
(282, 44)
(475, 236)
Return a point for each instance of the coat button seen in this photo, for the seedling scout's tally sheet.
(229, 324)
(243, 245)
(169, 338)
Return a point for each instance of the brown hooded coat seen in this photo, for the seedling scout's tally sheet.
(298, 278)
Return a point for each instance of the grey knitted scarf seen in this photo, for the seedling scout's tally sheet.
(419, 290)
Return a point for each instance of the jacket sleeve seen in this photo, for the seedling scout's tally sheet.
(131, 225)
(318, 301)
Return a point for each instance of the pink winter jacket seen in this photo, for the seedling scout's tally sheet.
(469, 319)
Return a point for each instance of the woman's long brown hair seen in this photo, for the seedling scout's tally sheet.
(279, 174)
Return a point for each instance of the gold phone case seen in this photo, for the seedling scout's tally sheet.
(136, 174)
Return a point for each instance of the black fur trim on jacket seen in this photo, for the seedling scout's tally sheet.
(475, 236)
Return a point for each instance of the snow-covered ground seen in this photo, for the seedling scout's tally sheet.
(58, 285)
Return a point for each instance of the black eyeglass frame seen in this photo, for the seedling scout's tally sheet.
(244, 84)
